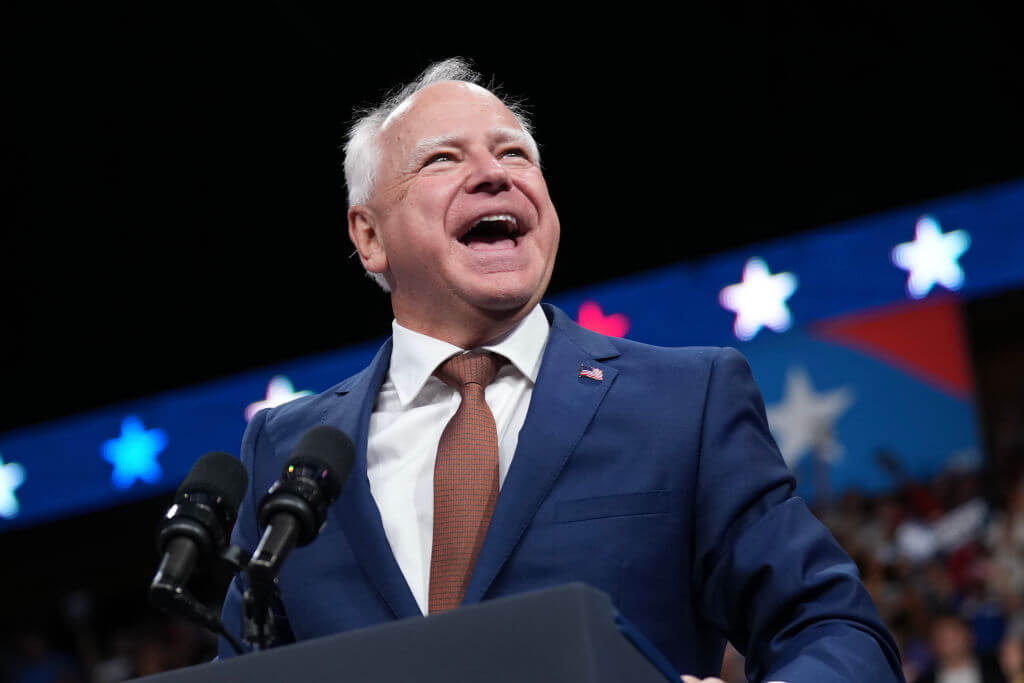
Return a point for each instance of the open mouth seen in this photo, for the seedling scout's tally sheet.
(497, 231)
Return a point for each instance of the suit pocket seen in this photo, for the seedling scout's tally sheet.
(621, 505)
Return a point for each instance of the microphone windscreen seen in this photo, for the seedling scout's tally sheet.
(218, 474)
(329, 450)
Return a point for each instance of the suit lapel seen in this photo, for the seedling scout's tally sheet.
(561, 408)
(356, 512)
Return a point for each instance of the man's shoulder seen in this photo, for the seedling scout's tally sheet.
(670, 369)
(308, 411)
(703, 356)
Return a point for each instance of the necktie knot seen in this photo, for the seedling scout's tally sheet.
(477, 367)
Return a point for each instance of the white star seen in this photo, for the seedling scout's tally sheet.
(12, 475)
(279, 390)
(759, 300)
(932, 257)
(804, 420)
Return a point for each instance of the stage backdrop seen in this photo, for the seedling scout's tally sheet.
(854, 333)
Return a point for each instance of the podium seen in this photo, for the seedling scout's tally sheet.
(568, 634)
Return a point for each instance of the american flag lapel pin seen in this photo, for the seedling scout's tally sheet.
(595, 374)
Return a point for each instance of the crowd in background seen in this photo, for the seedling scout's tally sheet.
(943, 560)
(70, 652)
(945, 567)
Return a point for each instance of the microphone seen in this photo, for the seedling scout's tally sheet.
(294, 510)
(194, 529)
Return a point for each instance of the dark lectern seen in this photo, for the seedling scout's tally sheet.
(567, 634)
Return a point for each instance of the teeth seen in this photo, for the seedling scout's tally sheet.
(499, 217)
(507, 222)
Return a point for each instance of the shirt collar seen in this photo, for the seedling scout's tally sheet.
(415, 356)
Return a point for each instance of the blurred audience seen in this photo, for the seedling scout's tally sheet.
(943, 560)
(955, 658)
(100, 655)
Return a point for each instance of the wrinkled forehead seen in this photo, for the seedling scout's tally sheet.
(438, 91)
(445, 109)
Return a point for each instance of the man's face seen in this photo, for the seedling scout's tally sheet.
(461, 209)
(951, 640)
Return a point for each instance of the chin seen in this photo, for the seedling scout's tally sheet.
(502, 290)
(502, 295)
(502, 301)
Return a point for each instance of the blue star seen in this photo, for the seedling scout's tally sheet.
(12, 475)
(133, 454)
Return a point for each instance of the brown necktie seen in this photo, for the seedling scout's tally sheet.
(465, 479)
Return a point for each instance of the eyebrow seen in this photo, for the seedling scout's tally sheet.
(497, 135)
(427, 144)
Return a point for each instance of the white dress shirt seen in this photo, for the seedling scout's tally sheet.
(412, 410)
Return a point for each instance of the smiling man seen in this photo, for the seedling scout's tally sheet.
(502, 448)
(459, 222)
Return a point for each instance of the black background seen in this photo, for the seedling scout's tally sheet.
(173, 208)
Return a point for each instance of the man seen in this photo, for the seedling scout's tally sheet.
(646, 472)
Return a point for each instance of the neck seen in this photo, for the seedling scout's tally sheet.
(464, 331)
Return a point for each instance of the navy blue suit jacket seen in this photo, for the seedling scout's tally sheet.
(659, 484)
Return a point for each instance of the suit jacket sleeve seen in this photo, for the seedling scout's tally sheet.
(767, 573)
(256, 448)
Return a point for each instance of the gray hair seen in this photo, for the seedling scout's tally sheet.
(363, 154)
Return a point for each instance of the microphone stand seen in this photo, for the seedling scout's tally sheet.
(293, 510)
(258, 619)
(168, 593)
(263, 568)
(171, 596)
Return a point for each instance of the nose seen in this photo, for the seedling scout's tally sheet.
(487, 174)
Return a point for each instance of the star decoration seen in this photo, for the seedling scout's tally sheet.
(759, 300)
(805, 420)
(12, 475)
(279, 390)
(133, 454)
(932, 257)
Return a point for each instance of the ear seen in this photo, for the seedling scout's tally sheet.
(362, 230)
